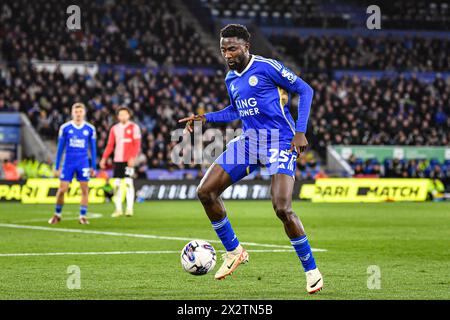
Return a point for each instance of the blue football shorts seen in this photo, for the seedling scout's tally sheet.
(242, 157)
(79, 168)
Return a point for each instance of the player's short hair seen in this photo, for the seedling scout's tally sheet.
(78, 105)
(235, 30)
(124, 108)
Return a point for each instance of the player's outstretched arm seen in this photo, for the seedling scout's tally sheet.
(93, 144)
(227, 114)
(59, 152)
(109, 148)
(190, 121)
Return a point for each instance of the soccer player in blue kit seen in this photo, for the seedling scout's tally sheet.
(259, 91)
(76, 137)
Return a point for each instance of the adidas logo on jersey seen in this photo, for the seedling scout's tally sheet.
(282, 166)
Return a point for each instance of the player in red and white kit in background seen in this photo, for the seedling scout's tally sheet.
(125, 139)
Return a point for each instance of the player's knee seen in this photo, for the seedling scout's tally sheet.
(63, 189)
(284, 212)
(205, 194)
(84, 191)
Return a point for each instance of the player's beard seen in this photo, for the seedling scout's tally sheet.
(237, 63)
(240, 63)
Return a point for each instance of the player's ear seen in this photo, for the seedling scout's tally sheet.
(247, 46)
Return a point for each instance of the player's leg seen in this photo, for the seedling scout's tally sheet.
(230, 167)
(129, 195)
(281, 191)
(117, 198)
(118, 174)
(83, 175)
(63, 187)
(84, 202)
(215, 181)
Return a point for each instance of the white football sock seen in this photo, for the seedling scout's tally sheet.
(118, 194)
(130, 193)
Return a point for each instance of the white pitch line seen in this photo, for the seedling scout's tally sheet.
(37, 254)
(135, 235)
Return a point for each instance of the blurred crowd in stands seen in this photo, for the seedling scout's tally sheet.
(411, 53)
(375, 112)
(400, 14)
(115, 32)
(400, 168)
(419, 14)
(347, 110)
(305, 13)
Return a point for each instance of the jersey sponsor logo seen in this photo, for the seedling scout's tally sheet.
(247, 107)
(246, 103)
(253, 81)
(76, 143)
(289, 75)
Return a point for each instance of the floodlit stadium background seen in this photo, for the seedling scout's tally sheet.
(379, 129)
(388, 89)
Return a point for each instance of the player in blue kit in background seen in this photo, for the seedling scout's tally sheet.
(76, 137)
(259, 91)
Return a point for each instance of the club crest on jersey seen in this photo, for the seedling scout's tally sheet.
(289, 75)
(85, 132)
(70, 131)
(253, 81)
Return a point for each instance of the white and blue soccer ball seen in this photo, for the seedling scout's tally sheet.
(198, 257)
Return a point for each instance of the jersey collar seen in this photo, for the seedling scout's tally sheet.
(247, 67)
(78, 127)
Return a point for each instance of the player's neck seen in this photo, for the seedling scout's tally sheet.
(78, 123)
(245, 64)
(124, 123)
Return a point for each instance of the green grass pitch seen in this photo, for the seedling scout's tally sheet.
(408, 242)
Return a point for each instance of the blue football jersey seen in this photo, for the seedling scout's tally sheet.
(76, 140)
(261, 96)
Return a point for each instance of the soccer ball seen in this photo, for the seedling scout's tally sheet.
(198, 257)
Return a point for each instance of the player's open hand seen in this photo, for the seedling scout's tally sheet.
(93, 173)
(299, 143)
(190, 122)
